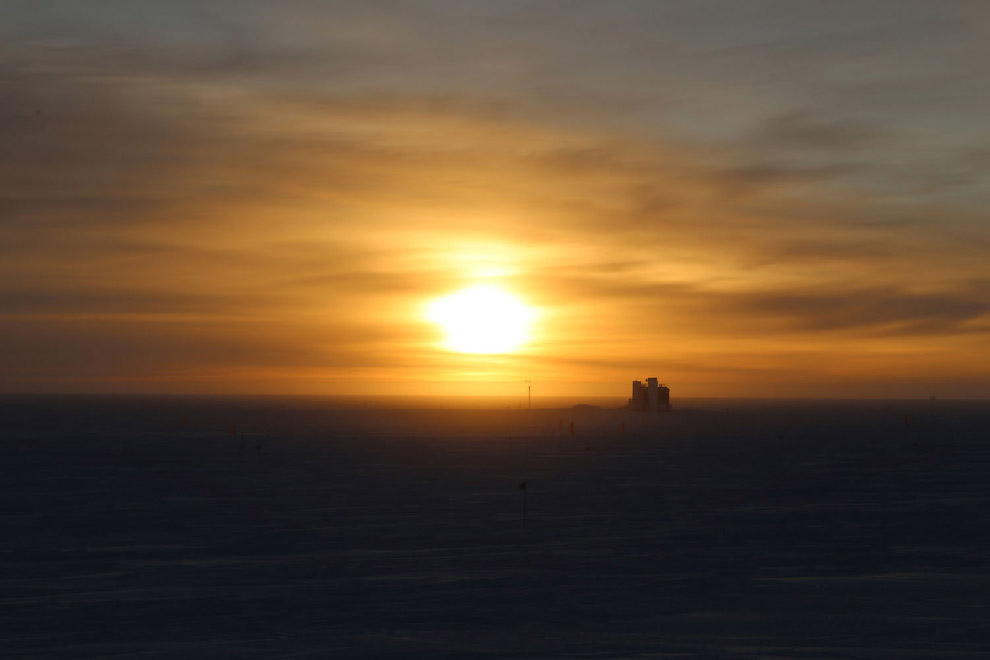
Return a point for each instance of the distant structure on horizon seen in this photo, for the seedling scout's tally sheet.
(653, 396)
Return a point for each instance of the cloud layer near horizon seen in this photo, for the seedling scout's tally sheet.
(230, 197)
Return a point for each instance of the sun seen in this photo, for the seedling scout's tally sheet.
(482, 319)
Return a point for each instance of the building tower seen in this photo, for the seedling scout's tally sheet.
(653, 396)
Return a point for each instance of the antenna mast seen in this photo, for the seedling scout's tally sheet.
(529, 394)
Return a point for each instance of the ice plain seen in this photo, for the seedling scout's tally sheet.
(179, 527)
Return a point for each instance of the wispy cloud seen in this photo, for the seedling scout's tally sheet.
(236, 194)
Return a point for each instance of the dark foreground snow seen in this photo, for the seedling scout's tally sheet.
(145, 528)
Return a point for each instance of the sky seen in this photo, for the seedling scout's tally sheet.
(763, 198)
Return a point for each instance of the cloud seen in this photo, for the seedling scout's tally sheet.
(802, 130)
(258, 197)
(882, 309)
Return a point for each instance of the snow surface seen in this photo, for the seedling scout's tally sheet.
(149, 527)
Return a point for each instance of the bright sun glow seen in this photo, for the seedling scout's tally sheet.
(482, 319)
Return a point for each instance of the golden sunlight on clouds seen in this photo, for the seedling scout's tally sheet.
(324, 231)
(483, 318)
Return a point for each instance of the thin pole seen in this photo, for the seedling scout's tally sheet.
(529, 394)
(522, 487)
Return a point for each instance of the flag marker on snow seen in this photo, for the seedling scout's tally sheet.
(522, 487)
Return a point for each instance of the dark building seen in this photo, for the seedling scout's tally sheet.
(652, 396)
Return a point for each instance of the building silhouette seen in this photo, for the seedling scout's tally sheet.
(653, 396)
